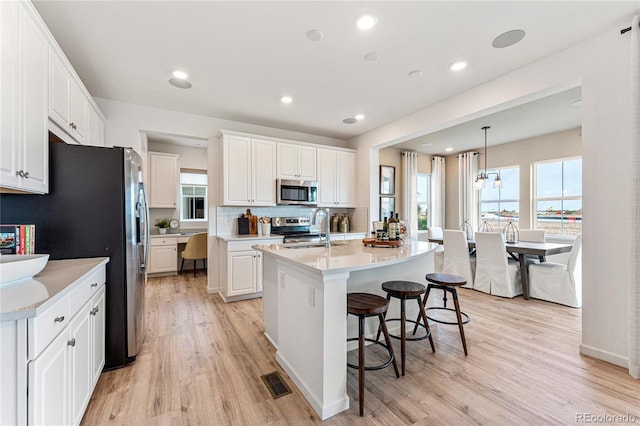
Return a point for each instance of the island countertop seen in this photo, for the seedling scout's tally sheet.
(345, 256)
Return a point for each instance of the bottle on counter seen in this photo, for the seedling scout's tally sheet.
(392, 228)
(335, 223)
(385, 230)
(398, 228)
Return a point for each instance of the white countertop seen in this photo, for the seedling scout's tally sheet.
(29, 298)
(349, 255)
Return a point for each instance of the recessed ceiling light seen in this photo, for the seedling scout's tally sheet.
(458, 65)
(315, 35)
(286, 99)
(508, 38)
(366, 21)
(449, 149)
(349, 120)
(180, 74)
(415, 74)
(372, 56)
(180, 83)
(359, 117)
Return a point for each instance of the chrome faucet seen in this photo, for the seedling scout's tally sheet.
(327, 218)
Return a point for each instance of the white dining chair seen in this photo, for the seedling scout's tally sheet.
(558, 282)
(435, 232)
(456, 255)
(532, 235)
(496, 274)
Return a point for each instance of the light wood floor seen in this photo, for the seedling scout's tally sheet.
(202, 361)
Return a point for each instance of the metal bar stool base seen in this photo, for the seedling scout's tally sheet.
(419, 324)
(466, 320)
(373, 367)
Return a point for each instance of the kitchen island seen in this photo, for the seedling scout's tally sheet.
(305, 307)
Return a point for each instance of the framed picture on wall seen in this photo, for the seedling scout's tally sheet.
(387, 205)
(387, 180)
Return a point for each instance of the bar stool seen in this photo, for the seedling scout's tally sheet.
(447, 283)
(365, 305)
(404, 290)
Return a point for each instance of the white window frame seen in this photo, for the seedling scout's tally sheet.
(501, 200)
(185, 177)
(428, 203)
(561, 199)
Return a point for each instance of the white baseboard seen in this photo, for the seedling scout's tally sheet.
(604, 356)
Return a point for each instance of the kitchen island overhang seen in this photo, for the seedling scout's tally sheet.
(304, 308)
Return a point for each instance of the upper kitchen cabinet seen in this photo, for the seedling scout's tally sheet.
(163, 185)
(336, 178)
(297, 162)
(23, 109)
(68, 107)
(248, 171)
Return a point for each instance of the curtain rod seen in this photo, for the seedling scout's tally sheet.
(625, 30)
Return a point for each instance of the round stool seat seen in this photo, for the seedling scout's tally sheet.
(448, 280)
(403, 288)
(366, 304)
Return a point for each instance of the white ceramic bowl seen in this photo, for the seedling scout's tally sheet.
(15, 268)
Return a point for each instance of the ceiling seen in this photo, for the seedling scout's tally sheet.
(241, 57)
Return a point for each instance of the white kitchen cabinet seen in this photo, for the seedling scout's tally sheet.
(164, 179)
(297, 162)
(336, 178)
(66, 354)
(95, 128)
(241, 269)
(68, 106)
(248, 171)
(24, 87)
(163, 255)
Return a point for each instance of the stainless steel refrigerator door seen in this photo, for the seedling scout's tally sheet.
(136, 216)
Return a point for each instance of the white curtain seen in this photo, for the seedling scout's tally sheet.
(436, 212)
(467, 193)
(410, 194)
(634, 283)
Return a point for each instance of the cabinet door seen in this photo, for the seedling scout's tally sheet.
(48, 384)
(264, 172)
(236, 170)
(33, 87)
(97, 329)
(164, 181)
(9, 144)
(241, 272)
(327, 177)
(80, 372)
(287, 164)
(95, 128)
(59, 91)
(346, 181)
(163, 259)
(307, 163)
(79, 107)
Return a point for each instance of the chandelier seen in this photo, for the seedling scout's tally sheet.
(483, 176)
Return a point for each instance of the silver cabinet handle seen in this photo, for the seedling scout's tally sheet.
(94, 284)
(26, 175)
(72, 342)
(58, 319)
(94, 311)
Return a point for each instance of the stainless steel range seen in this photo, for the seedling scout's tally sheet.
(294, 229)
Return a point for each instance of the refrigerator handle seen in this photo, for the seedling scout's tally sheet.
(145, 211)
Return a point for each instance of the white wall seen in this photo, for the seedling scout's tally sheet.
(601, 66)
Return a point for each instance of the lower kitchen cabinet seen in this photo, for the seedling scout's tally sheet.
(163, 255)
(241, 269)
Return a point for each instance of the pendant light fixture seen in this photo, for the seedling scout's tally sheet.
(483, 176)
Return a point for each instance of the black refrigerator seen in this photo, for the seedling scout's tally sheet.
(96, 206)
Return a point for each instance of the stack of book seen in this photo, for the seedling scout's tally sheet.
(17, 239)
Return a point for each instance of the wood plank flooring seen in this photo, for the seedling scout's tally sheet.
(202, 361)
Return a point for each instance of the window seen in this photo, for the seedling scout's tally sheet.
(423, 197)
(499, 205)
(558, 201)
(193, 196)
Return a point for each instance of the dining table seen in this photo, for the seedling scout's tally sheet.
(520, 250)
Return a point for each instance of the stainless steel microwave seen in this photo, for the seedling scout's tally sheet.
(303, 192)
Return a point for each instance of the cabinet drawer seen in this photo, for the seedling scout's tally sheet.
(163, 241)
(85, 291)
(46, 326)
(247, 244)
